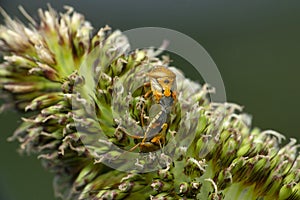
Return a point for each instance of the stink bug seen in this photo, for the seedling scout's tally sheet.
(163, 87)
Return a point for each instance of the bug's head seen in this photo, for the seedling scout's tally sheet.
(162, 80)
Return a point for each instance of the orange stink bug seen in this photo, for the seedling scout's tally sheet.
(163, 86)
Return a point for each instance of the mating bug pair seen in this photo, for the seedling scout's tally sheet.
(163, 89)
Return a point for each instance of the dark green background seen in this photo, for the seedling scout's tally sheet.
(256, 47)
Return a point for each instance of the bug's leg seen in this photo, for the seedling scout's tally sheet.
(133, 148)
(145, 137)
(128, 134)
(174, 96)
(147, 84)
(130, 150)
(146, 132)
(157, 95)
(164, 132)
(146, 95)
(120, 128)
(147, 147)
(163, 137)
(160, 138)
(164, 127)
(142, 116)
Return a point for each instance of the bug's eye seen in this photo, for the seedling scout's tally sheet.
(166, 81)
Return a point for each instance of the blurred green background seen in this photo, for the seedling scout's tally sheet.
(256, 47)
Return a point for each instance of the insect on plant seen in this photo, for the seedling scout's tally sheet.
(163, 88)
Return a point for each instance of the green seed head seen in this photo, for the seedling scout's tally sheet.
(85, 96)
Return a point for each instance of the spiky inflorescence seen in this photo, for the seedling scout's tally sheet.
(45, 70)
